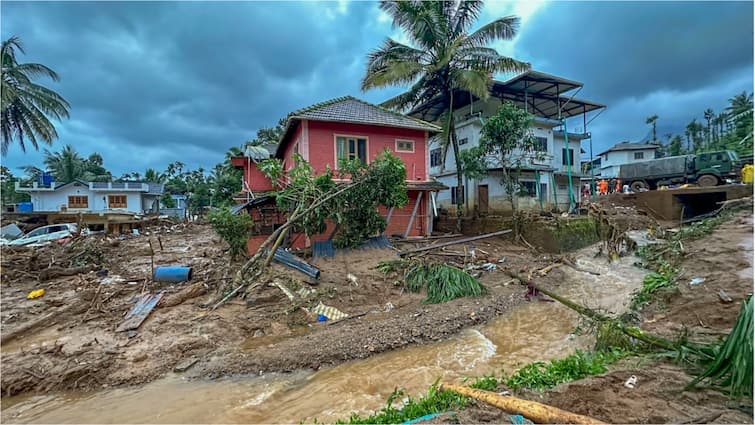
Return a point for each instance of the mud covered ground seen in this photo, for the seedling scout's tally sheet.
(77, 347)
(724, 259)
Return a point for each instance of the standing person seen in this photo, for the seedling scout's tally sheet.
(602, 186)
(611, 185)
(618, 186)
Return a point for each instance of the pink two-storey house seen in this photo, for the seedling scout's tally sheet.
(347, 127)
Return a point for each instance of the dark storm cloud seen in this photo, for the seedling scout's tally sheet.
(622, 49)
(190, 78)
(151, 83)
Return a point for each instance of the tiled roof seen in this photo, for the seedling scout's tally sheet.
(629, 146)
(353, 110)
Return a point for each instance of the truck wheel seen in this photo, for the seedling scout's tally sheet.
(707, 180)
(639, 185)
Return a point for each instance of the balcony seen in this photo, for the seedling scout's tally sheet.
(121, 186)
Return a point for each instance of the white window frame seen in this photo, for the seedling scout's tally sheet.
(405, 141)
(350, 136)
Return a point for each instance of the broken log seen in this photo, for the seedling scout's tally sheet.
(537, 412)
(53, 272)
(193, 291)
(458, 241)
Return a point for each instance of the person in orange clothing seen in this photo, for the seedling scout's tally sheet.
(618, 186)
(602, 187)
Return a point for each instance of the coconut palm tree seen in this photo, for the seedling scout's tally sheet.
(651, 120)
(708, 115)
(26, 108)
(740, 103)
(66, 165)
(444, 56)
(153, 176)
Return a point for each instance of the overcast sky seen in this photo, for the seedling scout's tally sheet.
(152, 83)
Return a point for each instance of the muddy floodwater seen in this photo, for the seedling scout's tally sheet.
(529, 332)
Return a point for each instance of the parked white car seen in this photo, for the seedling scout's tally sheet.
(49, 233)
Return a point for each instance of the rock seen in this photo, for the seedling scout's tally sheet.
(185, 365)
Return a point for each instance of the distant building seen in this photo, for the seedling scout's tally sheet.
(624, 153)
(82, 196)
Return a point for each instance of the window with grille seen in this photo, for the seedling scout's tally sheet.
(639, 155)
(116, 201)
(435, 157)
(78, 202)
(404, 146)
(527, 188)
(541, 144)
(463, 141)
(351, 148)
(570, 158)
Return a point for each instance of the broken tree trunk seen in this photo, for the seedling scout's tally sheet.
(242, 279)
(537, 412)
(53, 272)
(632, 331)
(463, 240)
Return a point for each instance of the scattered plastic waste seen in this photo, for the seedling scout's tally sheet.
(322, 318)
(696, 280)
(35, 294)
(631, 382)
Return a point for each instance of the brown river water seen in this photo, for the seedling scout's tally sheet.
(530, 332)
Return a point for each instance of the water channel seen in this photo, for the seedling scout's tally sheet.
(529, 332)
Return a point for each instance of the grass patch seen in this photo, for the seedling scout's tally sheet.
(542, 375)
(665, 277)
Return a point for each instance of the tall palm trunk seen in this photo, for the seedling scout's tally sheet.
(451, 138)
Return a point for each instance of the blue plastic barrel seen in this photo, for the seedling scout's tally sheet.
(172, 274)
(25, 207)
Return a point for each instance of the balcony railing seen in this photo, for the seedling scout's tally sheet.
(119, 186)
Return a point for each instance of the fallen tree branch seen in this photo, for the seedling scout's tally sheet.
(537, 412)
(458, 241)
(53, 272)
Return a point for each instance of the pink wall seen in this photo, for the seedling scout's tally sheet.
(292, 148)
(322, 145)
(252, 176)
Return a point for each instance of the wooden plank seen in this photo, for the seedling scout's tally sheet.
(469, 239)
(414, 214)
(139, 312)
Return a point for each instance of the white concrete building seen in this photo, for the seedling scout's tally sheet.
(81, 196)
(544, 175)
(624, 153)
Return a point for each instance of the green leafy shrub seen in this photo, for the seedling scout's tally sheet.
(541, 375)
(233, 228)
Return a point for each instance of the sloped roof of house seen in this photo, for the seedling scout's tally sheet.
(349, 109)
(630, 146)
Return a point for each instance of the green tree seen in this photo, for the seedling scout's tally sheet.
(675, 146)
(66, 165)
(353, 205)
(444, 57)
(233, 228)
(167, 201)
(652, 121)
(27, 108)
(506, 142)
(8, 193)
(270, 136)
(153, 176)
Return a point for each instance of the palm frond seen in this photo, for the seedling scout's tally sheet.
(466, 13)
(475, 81)
(501, 29)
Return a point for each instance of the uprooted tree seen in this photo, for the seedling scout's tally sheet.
(348, 197)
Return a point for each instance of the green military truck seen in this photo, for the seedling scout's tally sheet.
(705, 169)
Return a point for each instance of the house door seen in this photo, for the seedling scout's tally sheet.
(482, 198)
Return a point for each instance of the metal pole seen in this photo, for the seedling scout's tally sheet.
(592, 161)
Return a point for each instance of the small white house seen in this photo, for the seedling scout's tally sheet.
(624, 153)
(81, 196)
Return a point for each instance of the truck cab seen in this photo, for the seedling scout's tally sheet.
(712, 168)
